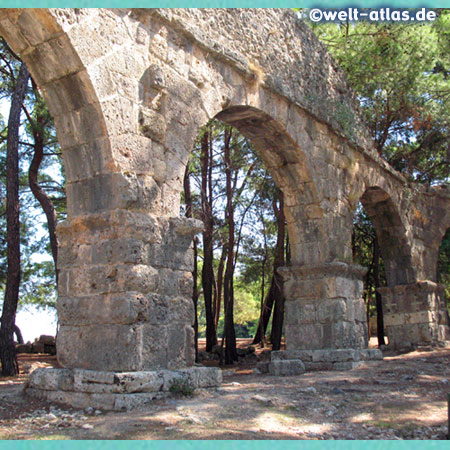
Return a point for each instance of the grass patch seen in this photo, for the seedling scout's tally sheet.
(182, 388)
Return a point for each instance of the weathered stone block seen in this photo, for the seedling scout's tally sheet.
(125, 250)
(322, 365)
(92, 376)
(370, 354)
(332, 310)
(181, 310)
(70, 93)
(180, 340)
(104, 279)
(95, 347)
(54, 51)
(126, 308)
(158, 311)
(154, 347)
(343, 335)
(286, 367)
(17, 41)
(52, 379)
(131, 382)
(347, 365)
(414, 314)
(340, 355)
(311, 337)
(152, 124)
(202, 377)
(359, 307)
(185, 284)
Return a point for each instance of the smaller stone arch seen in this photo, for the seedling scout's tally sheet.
(391, 234)
(413, 308)
(288, 165)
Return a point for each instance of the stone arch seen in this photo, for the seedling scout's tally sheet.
(287, 164)
(391, 235)
(284, 146)
(66, 86)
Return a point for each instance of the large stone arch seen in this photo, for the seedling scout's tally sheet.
(66, 86)
(129, 90)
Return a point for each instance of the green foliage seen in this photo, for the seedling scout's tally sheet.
(443, 267)
(401, 74)
(363, 246)
(181, 388)
(38, 273)
(254, 218)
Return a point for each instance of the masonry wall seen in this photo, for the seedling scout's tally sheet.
(129, 90)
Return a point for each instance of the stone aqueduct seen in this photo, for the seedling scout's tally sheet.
(129, 90)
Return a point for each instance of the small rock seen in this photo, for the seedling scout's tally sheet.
(98, 412)
(87, 426)
(308, 390)
(235, 383)
(49, 416)
(261, 399)
(196, 420)
(337, 391)
(89, 410)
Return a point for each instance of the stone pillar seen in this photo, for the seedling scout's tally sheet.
(125, 290)
(415, 314)
(325, 318)
(125, 311)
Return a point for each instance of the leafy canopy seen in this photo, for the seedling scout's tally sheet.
(401, 74)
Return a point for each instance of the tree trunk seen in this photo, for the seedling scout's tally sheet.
(220, 270)
(39, 193)
(275, 294)
(7, 350)
(278, 312)
(208, 256)
(195, 293)
(18, 334)
(228, 294)
(267, 302)
(263, 321)
(376, 276)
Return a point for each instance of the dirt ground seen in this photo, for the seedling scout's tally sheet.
(402, 397)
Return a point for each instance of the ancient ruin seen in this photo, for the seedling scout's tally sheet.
(129, 90)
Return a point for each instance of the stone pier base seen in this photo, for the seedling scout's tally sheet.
(296, 362)
(415, 315)
(117, 391)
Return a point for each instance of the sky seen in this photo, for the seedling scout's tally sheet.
(34, 322)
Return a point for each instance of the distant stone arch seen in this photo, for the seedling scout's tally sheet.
(391, 235)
